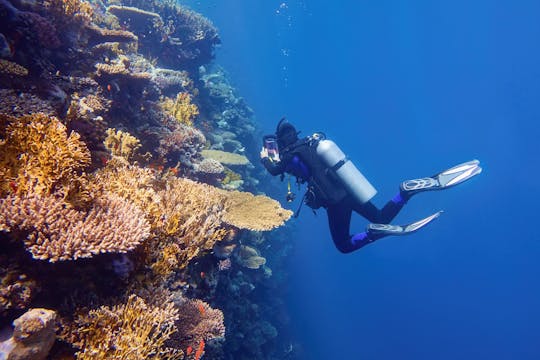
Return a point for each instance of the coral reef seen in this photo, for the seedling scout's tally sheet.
(120, 146)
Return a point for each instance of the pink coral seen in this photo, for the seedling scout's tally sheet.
(59, 232)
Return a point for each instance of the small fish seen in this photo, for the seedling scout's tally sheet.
(201, 309)
(200, 350)
(203, 274)
(189, 350)
(109, 88)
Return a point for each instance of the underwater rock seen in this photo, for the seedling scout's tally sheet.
(33, 336)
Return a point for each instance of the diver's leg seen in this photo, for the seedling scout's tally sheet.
(384, 215)
(339, 221)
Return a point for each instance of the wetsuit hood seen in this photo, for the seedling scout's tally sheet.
(286, 133)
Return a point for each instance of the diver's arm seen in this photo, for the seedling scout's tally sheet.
(273, 167)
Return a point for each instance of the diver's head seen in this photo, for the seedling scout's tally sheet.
(286, 133)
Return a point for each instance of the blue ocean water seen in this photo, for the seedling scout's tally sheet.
(407, 89)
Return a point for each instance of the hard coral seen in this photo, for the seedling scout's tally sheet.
(182, 109)
(225, 157)
(130, 330)
(121, 143)
(258, 213)
(59, 232)
(197, 323)
(37, 154)
(249, 257)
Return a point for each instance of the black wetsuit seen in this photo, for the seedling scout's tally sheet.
(300, 162)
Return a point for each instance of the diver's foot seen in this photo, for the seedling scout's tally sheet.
(448, 178)
(377, 231)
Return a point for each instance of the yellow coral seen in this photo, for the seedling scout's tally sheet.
(225, 157)
(258, 213)
(181, 108)
(121, 143)
(39, 155)
(186, 213)
(133, 330)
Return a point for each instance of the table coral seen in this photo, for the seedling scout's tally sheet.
(59, 232)
(224, 157)
(258, 213)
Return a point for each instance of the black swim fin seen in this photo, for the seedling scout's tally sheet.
(443, 180)
(377, 231)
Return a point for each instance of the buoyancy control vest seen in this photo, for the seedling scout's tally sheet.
(332, 175)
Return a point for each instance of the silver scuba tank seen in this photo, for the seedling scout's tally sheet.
(351, 178)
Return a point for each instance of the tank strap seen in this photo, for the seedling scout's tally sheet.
(339, 164)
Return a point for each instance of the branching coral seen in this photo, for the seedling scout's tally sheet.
(37, 154)
(59, 232)
(122, 143)
(182, 109)
(133, 330)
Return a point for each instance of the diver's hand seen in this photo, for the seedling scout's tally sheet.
(264, 153)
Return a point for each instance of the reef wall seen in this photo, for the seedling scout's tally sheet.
(133, 219)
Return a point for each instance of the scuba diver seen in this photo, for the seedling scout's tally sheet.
(334, 183)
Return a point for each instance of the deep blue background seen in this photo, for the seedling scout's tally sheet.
(408, 89)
